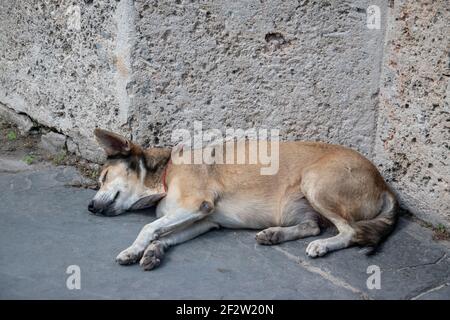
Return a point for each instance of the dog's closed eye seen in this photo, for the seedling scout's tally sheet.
(104, 177)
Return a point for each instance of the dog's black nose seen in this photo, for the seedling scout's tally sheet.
(92, 208)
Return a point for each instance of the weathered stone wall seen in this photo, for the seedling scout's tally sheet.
(413, 135)
(143, 68)
(61, 74)
(309, 68)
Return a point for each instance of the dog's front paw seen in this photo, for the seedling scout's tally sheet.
(317, 248)
(269, 236)
(152, 256)
(128, 256)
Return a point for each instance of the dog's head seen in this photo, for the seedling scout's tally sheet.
(131, 177)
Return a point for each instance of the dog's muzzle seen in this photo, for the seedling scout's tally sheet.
(102, 208)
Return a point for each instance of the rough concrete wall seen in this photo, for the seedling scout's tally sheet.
(143, 68)
(413, 136)
(309, 68)
(62, 64)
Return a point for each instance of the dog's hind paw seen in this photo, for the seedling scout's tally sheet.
(128, 256)
(317, 248)
(152, 256)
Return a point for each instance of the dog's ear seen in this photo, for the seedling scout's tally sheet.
(147, 202)
(157, 158)
(113, 144)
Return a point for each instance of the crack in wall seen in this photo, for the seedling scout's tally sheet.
(36, 126)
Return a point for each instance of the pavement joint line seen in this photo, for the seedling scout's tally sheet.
(437, 261)
(426, 291)
(324, 274)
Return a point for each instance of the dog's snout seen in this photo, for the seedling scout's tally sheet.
(93, 207)
(102, 206)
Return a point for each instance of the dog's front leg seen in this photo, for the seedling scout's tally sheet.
(155, 251)
(152, 231)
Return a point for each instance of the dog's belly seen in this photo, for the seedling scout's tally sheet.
(251, 214)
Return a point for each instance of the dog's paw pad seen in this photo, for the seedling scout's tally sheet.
(152, 256)
(269, 236)
(317, 248)
(127, 256)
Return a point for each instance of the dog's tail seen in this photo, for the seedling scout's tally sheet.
(371, 233)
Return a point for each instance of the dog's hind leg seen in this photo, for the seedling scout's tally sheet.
(326, 199)
(298, 220)
(154, 253)
(275, 235)
(343, 239)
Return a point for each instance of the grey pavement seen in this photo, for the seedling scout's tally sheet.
(45, 227)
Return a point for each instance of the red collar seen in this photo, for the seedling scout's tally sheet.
(164, 175)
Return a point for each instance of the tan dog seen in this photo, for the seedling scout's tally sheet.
(315, 180)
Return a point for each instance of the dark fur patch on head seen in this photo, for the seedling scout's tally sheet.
(132, 159)
(132, 162)
(154, 161)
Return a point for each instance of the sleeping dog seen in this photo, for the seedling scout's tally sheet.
(315, 183)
